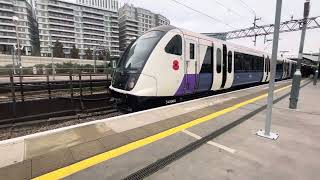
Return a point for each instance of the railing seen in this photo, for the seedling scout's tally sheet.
(74, 86)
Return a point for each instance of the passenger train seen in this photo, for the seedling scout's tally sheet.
(169, 63)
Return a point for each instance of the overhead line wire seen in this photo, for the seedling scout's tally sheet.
(248, 7)
(229, 9)
(202, 13)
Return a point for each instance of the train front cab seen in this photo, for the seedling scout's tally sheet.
(129, 79)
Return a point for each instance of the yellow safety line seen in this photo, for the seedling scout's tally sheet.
(81, 165)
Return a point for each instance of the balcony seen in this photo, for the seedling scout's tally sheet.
(60, 18)
(93, 23)
(64, 6)
(93, 38)
(7, 10)
(94, 33)
(7, 30)
(114, 41)
(5, 17)
(70, 12)
(92, 11)
(125, 33)
(129, 29)
(92, 17)
(61, 24)
(114, 20)
(63, 30)
(62, 35)
(115, 31)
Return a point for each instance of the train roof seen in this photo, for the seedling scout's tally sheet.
(243, 49)
(164, 28)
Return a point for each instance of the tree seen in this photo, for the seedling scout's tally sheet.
(88, 53)
(58, 50)
(74, 52)
(104, 55)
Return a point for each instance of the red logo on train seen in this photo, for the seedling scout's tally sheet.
(175, 65)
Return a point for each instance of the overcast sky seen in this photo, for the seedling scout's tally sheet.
(240, 16)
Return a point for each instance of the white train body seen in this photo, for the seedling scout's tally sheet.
(172, 62)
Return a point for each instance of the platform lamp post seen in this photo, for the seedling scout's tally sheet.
(294, 96)
(267, 131)
(16, 20)
(13, 60)
(94, 60)
(52, 65)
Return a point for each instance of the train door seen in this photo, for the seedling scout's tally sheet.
(264, 69)
(224, 66)
(268, 69)
(217, 70)
(290, 69)
(287, 69)
(205, 67)
(191, 65)
(230, 68)
(284, 70)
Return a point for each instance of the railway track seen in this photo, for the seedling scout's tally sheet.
(12, 128)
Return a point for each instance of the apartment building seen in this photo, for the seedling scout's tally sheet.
(86, 24)
(135, 21)
(26, 26)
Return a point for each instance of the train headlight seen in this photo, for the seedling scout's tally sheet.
(131, 83)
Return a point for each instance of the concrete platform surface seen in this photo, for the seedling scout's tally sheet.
(295, 155)
(45, 152)
(237, 153)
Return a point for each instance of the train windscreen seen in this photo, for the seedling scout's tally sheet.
(137, 53)
(133, 60)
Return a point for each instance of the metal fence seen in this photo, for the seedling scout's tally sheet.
(17, 89)
(40, 65)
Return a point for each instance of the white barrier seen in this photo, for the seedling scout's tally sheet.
(29, 61)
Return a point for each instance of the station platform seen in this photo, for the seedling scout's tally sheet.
(208, 138)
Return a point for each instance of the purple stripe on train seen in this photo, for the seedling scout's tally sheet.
(188, 83)
(183, 88)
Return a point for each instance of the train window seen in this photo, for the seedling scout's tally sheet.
(230, 62)
(191, 51)
(279, 67)
(256, 63)
(261, 64)
(253, 63)
(218, 60)
(246, 63)
(174, 46)
(207, 63)
(237, 62)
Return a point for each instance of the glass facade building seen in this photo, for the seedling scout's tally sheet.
(26, 26)
(135, 21)
(87, 24)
